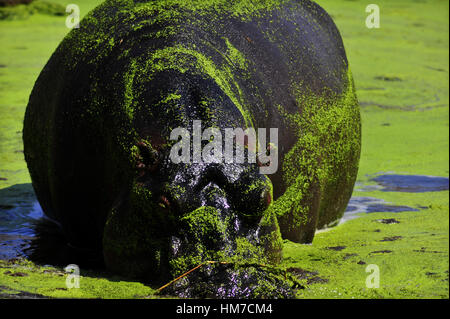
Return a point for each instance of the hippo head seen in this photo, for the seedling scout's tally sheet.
(106, 164)
(177, 215)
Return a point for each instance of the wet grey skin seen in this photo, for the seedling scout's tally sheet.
(97, 127)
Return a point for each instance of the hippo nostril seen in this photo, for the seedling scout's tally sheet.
(213, 175)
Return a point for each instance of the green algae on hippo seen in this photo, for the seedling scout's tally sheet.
(97, 137)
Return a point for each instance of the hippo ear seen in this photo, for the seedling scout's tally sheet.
(147, 158)
(270, 237)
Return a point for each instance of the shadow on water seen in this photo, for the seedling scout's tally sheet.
(25, 232)
(412, 183)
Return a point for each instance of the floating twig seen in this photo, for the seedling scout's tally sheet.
(188, 272)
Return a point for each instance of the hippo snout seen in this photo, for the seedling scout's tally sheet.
(185, 215)
(248, 195)
(225, 207)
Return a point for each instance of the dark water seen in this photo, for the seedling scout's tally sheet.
(368, 205)
(374, 205)
(412, 183)
(26, 232)
(19, 211)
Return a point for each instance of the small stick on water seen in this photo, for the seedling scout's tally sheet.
(188, 272)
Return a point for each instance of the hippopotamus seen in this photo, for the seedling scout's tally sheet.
(97, 134)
